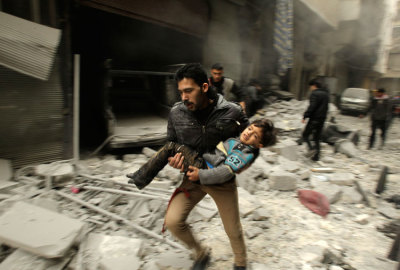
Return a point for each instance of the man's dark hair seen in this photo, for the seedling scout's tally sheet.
(217, 66)
(269, 133)
(317, 82)
(381, 90)
(192, 71)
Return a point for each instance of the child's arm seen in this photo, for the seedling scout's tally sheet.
(217, 175)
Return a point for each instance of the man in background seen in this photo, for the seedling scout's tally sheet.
(226, 86)
(316, 114)
(381, 113)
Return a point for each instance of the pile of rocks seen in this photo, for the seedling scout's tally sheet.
(84, 215)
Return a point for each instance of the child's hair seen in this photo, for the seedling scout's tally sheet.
(269, 133)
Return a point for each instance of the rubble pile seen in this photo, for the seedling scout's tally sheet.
(84, 215)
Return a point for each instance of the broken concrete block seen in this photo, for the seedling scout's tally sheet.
(283, 181)
(22, 260)
(287, 149)
(362, 219)
(288, 165)
(268, 156)
(386, 209)
(38, 230)
(246, 202)
(350, 195)
(260, 214)
(47, 203)
(332, 192)
(253, 232)
(58, 172)
(342, 179)
(346, 147)
(111, 252)
(6, 171)
(175, 260)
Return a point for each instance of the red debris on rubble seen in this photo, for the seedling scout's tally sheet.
(315, 201)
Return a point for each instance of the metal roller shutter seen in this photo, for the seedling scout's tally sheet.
(31, 122)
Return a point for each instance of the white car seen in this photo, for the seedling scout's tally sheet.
(355, 100)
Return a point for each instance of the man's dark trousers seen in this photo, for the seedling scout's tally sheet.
(314, 127)
(382, 125)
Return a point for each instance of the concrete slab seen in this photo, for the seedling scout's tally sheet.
(108, 252)
(38, 230)
(22, 260)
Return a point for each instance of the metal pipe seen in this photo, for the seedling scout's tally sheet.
(130, 187)
(134, 194)
(119, 218)
(75, 136)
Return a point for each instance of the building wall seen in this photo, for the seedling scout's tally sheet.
(326, 10)
(223, 41)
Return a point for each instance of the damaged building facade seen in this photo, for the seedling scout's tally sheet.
(129, 51)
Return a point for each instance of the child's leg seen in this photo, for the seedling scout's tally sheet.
(150, 169)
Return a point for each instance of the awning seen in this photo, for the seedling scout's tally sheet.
(27, 47)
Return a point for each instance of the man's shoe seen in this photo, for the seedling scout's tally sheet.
(202, 263)
(315, 158)
(239, 267)
(299, 141)
(310, 153)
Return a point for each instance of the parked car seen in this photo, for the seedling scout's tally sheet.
(355, 100)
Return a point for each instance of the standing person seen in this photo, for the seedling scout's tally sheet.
(316, 114)
(255, 98)
(226, 86)
(201, 120)
(381, 110)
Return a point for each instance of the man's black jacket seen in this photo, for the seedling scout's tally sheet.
(226, 120)
(319, 103)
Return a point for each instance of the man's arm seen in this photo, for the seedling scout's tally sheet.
(177, 160)
(241, 95)
(311, 108)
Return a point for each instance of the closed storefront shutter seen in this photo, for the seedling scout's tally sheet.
(31, 122)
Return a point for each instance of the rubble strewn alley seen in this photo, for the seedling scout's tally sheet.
(85, 216)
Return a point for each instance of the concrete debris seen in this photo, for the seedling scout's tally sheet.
(38, 230)
(119, 226)
(284, 181)
(23, 260)
(110, 252)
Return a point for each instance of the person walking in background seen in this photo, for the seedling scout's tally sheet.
(254, 97)
(226, 86)
(316, 114)
(381, 113)
(200, 121)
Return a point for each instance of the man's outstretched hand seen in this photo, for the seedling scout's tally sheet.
(176, 161)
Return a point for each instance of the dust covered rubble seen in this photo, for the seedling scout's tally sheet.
(280, 232)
